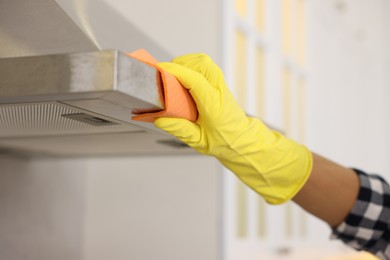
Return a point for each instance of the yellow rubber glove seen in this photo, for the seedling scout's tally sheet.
(271, 164)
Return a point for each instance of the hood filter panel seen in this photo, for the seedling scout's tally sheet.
(54, 118)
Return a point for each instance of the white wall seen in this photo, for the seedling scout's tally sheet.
(42, 208)
(179, 27)
(386, 29)
(102, 208)
(347, 110)
(152, 208)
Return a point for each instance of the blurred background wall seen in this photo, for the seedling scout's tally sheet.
(349, 82)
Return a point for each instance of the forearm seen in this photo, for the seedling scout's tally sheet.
(330, 192)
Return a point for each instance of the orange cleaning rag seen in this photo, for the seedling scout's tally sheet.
(176, 99)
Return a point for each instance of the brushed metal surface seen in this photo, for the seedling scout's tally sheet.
(88, 74)
(110, 29)
(39, 27)
(108, 83)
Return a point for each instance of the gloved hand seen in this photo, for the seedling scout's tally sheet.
(271, 164)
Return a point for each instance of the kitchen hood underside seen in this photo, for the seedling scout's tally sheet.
(80, 104)
(61, 95)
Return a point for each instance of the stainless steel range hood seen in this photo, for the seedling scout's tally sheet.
(62, 96)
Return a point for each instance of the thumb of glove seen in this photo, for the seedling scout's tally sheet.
(186, 131)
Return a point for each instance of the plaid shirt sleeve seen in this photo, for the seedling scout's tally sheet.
(367, 227)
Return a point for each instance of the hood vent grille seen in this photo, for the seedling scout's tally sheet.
(53, 118)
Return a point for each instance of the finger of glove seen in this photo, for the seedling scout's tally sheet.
(203, 64)
(204, 94)
(186, 131)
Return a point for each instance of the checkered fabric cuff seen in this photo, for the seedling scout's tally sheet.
(367, 227)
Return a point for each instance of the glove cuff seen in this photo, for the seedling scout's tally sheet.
(274, 166)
